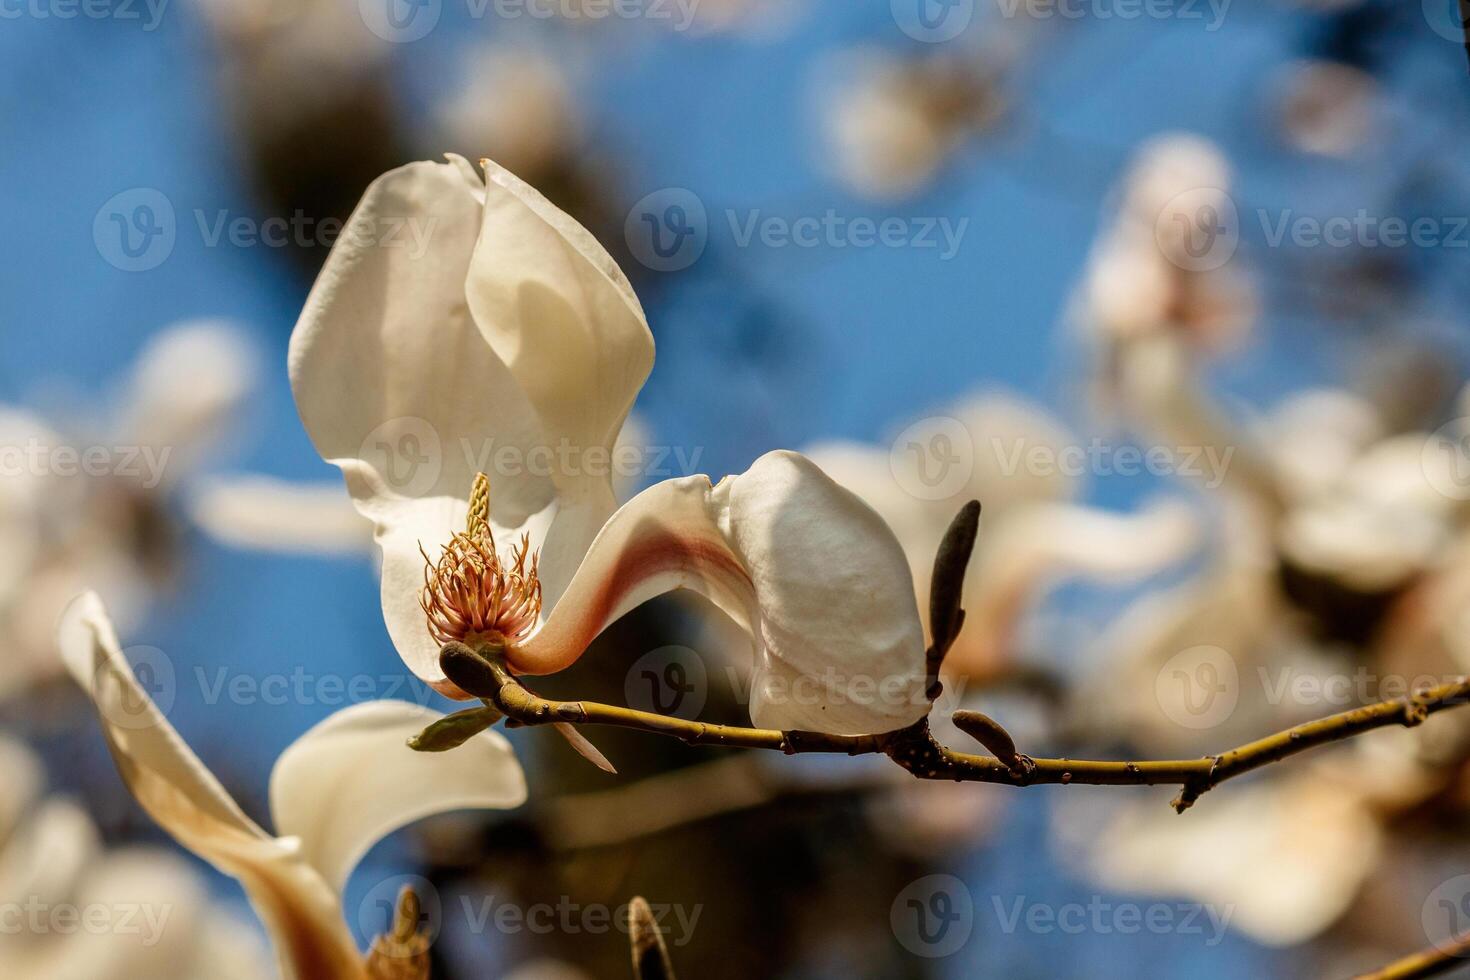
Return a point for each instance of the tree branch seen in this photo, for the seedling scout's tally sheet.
(483, 674)
(1434, 962)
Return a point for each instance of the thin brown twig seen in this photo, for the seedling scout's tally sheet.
(482, 674)
(1434, 962)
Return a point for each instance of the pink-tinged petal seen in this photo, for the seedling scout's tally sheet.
(397, 387)
(810, 571)
(183, 797)
(352, 779)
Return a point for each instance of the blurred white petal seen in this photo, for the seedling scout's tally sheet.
(261, 512)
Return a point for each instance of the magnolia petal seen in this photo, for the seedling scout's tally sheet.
(810, 571)
(186, 392)
(555, 307)
(173, 786)
(397, 387)
(352, 779)
(261, 512)
(559, 312)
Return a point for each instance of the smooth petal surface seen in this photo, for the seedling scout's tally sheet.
(809, 570)
(299, 909)
(398, 388)
(557, 310)
(352, 779)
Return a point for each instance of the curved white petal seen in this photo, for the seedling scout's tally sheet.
(173, 786)
(352, 779)
(560, 313)
(261, 512)
(397, 387)
(556, 308)
(809, 569)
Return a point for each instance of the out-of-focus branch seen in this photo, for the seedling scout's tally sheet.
(1435, 962)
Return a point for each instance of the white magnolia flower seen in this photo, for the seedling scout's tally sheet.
(893, 123)
(1032, 532)
(516, 338)
(1162, 267)
(90, 502)
(334, 792)
(54, 869)
(1327, 107)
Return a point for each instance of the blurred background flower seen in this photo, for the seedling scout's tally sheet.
(1204, 265)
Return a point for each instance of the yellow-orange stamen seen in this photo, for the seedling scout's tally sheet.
(469, 591)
